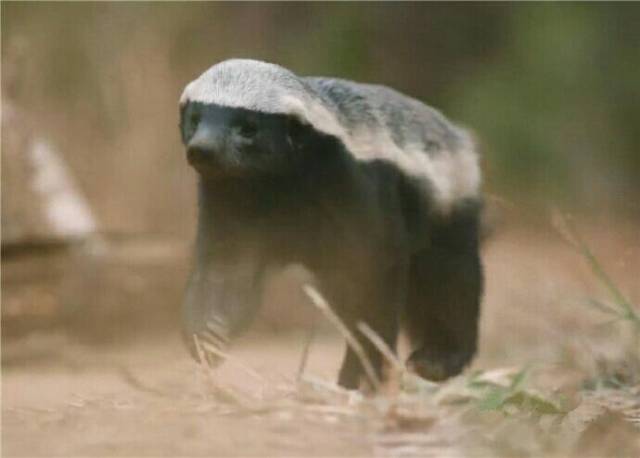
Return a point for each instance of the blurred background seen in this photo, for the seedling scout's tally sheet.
(99, 205)
(551, 92)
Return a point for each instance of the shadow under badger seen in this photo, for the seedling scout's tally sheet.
(377, 194)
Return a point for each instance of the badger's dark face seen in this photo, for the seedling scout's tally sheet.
(222, 141)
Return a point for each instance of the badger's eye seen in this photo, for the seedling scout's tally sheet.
(194, 119)
(247, 129)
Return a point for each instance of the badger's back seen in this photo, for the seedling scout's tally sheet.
(381, 123)
(408, 121)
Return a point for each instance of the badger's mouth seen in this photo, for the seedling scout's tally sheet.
(212, 166)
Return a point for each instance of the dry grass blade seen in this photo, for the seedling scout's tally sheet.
(332, 410)
(201, 355)
(326, 386)
(603, 307)
(132, 380)
(305, 351)
(382, 346)
(225, 394)
(623, 306)
(226, 357)
(323, 306)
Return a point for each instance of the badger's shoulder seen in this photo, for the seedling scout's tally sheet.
(382, 123)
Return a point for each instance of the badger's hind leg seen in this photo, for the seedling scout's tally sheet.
(443, 300)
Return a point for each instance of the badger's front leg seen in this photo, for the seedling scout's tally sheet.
(370, 294)
(223, 294)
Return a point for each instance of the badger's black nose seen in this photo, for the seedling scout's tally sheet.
(207, 144)
(200, 154)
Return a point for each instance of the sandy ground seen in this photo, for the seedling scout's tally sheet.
(147, 398)
(150, 399)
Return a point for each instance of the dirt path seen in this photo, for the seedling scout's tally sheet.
(151, 400)
(60, 398)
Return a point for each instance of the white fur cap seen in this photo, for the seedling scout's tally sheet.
(260, 86)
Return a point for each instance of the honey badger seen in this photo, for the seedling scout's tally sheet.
(375, 193)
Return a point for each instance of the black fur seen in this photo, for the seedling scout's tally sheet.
(273, 192)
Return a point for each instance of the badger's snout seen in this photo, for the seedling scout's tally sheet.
(207, 147)
(197, 154)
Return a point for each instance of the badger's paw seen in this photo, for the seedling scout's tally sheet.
(437, 366)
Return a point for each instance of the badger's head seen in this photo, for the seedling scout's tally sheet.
(245, 117)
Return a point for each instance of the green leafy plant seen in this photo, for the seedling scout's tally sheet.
(494, 396)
